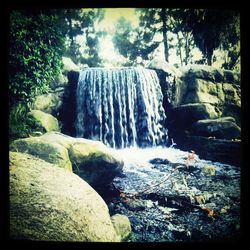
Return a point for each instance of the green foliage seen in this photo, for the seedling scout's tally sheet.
(90, 55)
(212, 29)
(36, 48)
(133, 43)
(180, 31)
(21, 125)
(81, 22)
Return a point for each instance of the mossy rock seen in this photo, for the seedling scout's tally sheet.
(122, 226)
(45, 121)
(91, 160)
(94, 162)
(48, 203)
(49, 103)
(50, 152)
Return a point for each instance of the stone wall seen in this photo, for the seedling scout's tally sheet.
(203, 103)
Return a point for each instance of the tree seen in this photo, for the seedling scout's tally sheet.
(185, 41)
(153, 21)
(133, 43)
(156, 26)
(141, 41)
(164, 32)
(211, 29)
(90, 54)
(35, 52)
(80, 22)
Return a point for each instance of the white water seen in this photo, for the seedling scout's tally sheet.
(121, 107)
(140, 173)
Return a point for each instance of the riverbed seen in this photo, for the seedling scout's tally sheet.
(171, 195)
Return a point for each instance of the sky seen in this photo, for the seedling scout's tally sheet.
(107, 50)
(112, 14)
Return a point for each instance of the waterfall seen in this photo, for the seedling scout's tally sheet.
(122, 107)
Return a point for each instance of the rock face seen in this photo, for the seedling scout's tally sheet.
(203, 102)
(46, 121)
(220, 150)
(221, 128)
(185, 115)
(91, 160)
(48, 203)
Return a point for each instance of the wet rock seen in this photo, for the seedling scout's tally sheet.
(45, 121)
(220, 128)
(226, 151)
(159, 161)
(136, 204)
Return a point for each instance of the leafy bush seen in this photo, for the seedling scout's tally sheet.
(35, 52)
(20, 124)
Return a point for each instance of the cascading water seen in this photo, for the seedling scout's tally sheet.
(121, 107)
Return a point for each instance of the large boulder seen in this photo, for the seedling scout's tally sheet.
(44, 121)
(158, 64)
(46, 150)
(185, 115)
(209, 73)
(92, 160)
(221, 128)
(48, 203)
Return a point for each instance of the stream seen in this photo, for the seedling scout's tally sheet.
(171, 195)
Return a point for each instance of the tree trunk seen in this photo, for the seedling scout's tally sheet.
(209, 53)
(179, 47)
(187, 47)
(209, 59)
(164, 32)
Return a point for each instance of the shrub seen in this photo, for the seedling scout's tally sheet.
(35, 52)
(21, 125)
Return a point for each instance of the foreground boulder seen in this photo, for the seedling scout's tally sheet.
(91, 160)
(51, 152)
(48, 203)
